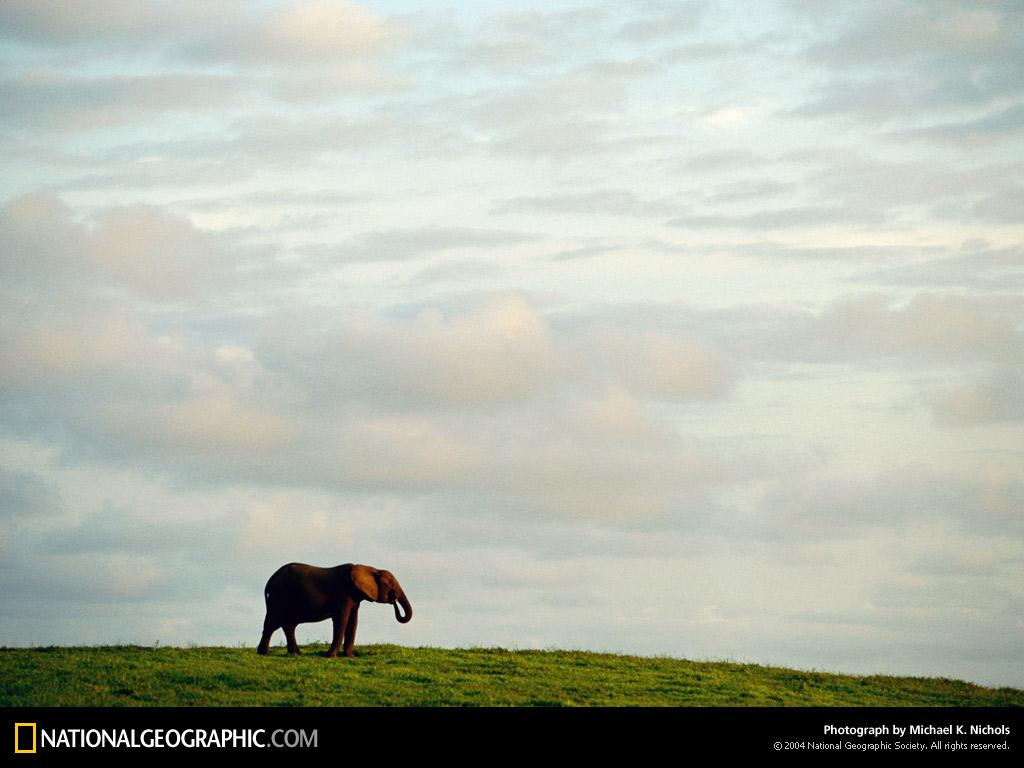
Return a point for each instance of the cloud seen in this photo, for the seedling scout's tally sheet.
(937, 327)
(402, 244)
(37, 235)
(883, 100)
(975, 266)
(843, 254)
(487, 399)
(662, 20)
(855, 193)
(224, 30)
(842, 188)
(276, 139)
(555, 114)
(122, 531)
(456, 271)
(155, 254)
(54, 101)
(593, 460)
(24, 498)
(547, 22)
(723, 160)
(574, 96)
(974, 500)
(945, 56)
(661, 363)
(319, 30)
(997, 125)
(910, 31)
(295, 51)
(221, 426)
(1003, 207)
(749, 189)
(783, 218)
(500, 350)
(142, 248)
(614, 202)
(24, 495)
(497, 350)
(344, 79)
(986, 557)
(996, 399)
(869, 331)
(86, 577)
(511, 42)
(729, 118)
(87, 346)
(105, 22)
(559, 138)
(585, 252)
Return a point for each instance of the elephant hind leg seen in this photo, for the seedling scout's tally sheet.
(289, 633)
(269, 627)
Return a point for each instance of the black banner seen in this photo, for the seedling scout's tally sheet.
(64, 735)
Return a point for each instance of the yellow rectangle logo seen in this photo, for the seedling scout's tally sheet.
(17, 742)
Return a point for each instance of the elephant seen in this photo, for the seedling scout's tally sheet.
(298, 593)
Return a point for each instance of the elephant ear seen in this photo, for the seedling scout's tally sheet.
(365, 580)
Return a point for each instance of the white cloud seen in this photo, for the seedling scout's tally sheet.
(408, 243)
(979, 26)
(662, 364)
(979, 498)
(70, 104)
(729, 118)
(106, 22)
(974, 266)
(222, 29)
(997, 398)
(323, 29)
(615, 202)
(142, 248)
(129, 576)
(500, 350)
(951, 328)
(72, 348)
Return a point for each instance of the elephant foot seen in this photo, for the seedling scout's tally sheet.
(263, 651)
(332, 653)
(349, 654)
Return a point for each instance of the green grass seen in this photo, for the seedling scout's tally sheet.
(395, 675)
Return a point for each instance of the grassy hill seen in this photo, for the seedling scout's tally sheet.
(396, 675)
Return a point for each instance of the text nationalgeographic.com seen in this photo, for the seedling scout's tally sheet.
(175, 738)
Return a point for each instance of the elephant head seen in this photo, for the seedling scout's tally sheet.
(382, 587)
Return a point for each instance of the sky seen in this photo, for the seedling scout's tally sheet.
(691, 329)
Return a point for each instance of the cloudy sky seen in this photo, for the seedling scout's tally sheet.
(684, 328)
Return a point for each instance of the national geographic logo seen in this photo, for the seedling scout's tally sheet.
(24, 738)
(28, 737)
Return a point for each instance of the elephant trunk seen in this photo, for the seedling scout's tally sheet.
(406, 606)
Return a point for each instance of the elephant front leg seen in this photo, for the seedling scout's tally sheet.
(339, 622)
(289, 633)
(350, 631)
